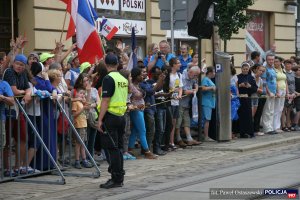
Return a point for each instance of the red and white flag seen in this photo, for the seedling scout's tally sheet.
(107, 29)
(71, 9)
(82, 19)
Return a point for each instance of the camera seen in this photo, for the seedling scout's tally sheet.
(159, 55)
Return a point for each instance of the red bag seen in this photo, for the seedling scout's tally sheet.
(60, 122)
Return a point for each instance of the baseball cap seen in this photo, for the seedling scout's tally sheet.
(21, 58)
(84, 65)
(111, 59)
(45, 56)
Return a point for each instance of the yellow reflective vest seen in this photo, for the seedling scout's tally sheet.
(118, 102)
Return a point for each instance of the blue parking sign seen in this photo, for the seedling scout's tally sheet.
(219, 68)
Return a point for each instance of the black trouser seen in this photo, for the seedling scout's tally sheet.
(258, 114)
(115, 125)
(150, 128)
(168, 127)
(160, 125)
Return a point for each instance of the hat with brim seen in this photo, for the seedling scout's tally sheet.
(45, 56)
(71, 59)
(84, 66)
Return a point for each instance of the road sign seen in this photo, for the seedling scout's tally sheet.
(219, 68)
(180, 14)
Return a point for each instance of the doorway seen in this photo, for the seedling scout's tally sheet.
(6, 24)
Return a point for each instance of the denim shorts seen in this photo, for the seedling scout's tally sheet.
(206, 113)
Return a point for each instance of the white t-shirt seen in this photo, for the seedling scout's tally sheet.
(175, 84)
(258, 83)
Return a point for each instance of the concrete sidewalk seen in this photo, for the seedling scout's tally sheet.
(249, 144)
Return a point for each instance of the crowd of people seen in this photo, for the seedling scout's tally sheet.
(158, 111)
(268, 95)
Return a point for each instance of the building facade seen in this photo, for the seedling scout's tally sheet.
(273, 22)
(41, 21)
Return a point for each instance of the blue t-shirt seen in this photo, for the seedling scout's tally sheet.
(184, 63)
(208, 97)
(159, 63)
(5, 90)
(270, 75)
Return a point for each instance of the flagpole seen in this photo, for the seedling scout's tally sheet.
(102, 42)
(62, 30)
(12, 18)
(88, 3)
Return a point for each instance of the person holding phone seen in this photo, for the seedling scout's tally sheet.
(246, 86)
(162, 57)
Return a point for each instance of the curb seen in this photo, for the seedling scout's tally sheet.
(249, 147)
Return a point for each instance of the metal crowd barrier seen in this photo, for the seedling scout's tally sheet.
(33, 146)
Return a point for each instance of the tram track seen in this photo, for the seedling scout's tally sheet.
(148, 192)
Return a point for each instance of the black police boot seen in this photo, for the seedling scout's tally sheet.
(110, 184)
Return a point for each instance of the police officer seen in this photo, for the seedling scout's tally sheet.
(111, 118)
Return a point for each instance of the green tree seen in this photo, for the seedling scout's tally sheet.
(230, 16)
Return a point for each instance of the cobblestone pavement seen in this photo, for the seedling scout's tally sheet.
(143, 173)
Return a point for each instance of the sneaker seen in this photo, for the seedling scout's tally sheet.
(128, 156)
(77, 165)
(125, 157)
(9, 173)
(99, 157)
(87, 164)
(297, 128)
(28, 170)
(259, 133)
(292, 128)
